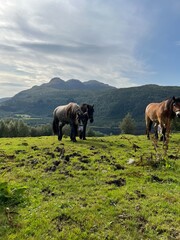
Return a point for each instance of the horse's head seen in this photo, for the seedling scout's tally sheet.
(88, 111)
(91, 113)
(176, 106)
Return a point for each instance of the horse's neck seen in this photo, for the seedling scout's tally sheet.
(167, 105)
(84, 108)
(169, 108)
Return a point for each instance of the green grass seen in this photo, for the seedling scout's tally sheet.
(118, 187)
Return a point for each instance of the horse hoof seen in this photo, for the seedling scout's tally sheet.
(162, 139)
(73, 140)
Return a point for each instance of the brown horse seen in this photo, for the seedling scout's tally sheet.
(161, 115)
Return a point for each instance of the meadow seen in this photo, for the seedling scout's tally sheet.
(115, 187)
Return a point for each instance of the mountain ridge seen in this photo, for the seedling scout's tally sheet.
(59, 83)
(111, 104)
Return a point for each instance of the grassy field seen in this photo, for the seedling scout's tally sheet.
(117, 187)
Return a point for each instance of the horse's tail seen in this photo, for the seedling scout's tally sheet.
(148, 121)
(148, 126)
(55, 126)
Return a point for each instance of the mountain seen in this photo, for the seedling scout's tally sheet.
(4, 99)
(73, 84)
(111, 104)
(41, 100)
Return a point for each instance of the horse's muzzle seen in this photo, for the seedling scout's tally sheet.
(178, 114)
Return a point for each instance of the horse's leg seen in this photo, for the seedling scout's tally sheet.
(148, 126)
(61, 125)
(81, 129)
(156, 130)
(76, 130)
(80, 134)
(163, 137)
(55, 125)
(84, 131)
(168, 128)
(73, 132)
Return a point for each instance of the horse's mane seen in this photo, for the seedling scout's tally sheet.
(169, 106)
(84, 107)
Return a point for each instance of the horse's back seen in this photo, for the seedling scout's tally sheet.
(73, 107)
(60, 112)
(65, 112)
(59, 109)
(151, 108)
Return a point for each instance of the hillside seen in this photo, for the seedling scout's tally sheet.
(111, 104)
(4, 99)
(118, 187)
(41, 100)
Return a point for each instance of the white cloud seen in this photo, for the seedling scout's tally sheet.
(80, 39)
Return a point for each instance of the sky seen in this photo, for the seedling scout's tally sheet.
(123, 43)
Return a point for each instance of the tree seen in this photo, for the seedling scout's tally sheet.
(175, 125)
(3, 129)
(128, 124)
(17, 128)
(23, 129)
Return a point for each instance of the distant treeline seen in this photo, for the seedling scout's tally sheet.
(17, 128)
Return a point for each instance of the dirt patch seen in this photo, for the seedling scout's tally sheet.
(62, 220)
(35, 148)
(118, 182)
(118, 166)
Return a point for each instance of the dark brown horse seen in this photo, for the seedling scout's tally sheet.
(88, 114)
(161, 115)
(67, 114)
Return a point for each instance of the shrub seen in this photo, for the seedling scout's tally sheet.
(128, 124)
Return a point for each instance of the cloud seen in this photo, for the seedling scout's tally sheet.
(80, 39)
(81, 49)
(11, 84)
